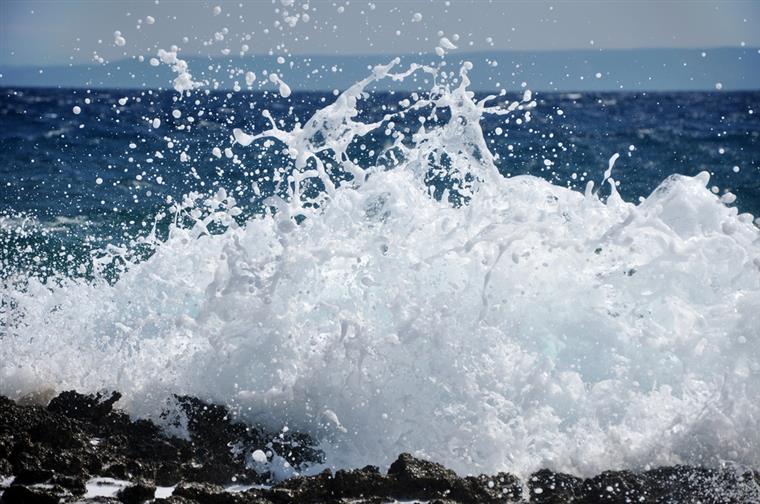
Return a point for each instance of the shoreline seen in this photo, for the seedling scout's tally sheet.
(80, 448)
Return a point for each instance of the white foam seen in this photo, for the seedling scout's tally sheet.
(283, 88)
(535, 326)
(184, 80)
(118, 39)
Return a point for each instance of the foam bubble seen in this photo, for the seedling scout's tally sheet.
(282, 88)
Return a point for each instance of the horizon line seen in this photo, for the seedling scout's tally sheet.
(394, 55)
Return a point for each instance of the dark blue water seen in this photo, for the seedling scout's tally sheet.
(73, 183)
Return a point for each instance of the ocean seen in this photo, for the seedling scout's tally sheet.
(51, 159)
(427, 272)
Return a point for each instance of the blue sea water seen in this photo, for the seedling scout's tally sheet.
(504, 324)
(73, 182)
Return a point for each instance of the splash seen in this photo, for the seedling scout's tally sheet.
(427, 304)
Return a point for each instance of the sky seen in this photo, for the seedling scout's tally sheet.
(56, 32)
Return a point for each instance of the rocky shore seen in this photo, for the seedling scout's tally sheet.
(79, 448)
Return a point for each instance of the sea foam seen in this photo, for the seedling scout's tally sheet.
(434, 307)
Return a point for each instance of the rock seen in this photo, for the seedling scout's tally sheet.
(32, 476)
(616, 487)
(355, 484)
(76, 485)
(207, 493)
(86, 408)
(168, 474)
(417, 478)
(500, 488)
(547, 487)
(76, 437)
(18, 494)
(691, 484)
(213, 432)
(137, 493)
(407, 478)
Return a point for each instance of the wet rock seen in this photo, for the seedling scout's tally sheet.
(407, 478)
(77, 437)
(502, 487)
(616, 487)
(416, 478)
(19, 494)
(213, 433)
(421, 479)
(329, 487)
(168, 474)
(86, 408)
(692, 484)
(196, 491)
(73, 484)
(213, 494)
(32, 476)
(137, 493)
(547, 487)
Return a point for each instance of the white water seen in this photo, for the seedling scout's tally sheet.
(533, 327)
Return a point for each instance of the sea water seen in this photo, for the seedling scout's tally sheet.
(484, 280)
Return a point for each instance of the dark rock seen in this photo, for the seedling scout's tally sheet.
(32, 476)
(417, 472)
(547, 487)
(326, 487)
(212, 494)
(86, 408)
(80, 436)
(407, 478)
(502, 487)
(691, 484)
(616, 487)
(213, 432)
(417, 478)
(414, 478)
(137, 493)
(76, 485)
(173, 499)
(168, 474)
(18, 494)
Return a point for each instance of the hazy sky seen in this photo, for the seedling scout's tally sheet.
(61, 31)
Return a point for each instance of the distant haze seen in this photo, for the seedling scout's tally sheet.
(725, 69)
(41, 33)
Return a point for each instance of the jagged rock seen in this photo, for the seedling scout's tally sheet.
(616, 487)
(77, 437)
(196, 491)
(86, 408)
(214, 494)
(502, 487)
(19, 494)
(407, 478)
(213, 433)
(417, 478)
(691, 484)
(32, 476)
(547, 487)
(137, 493)
(324, 487)
(76, 485)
